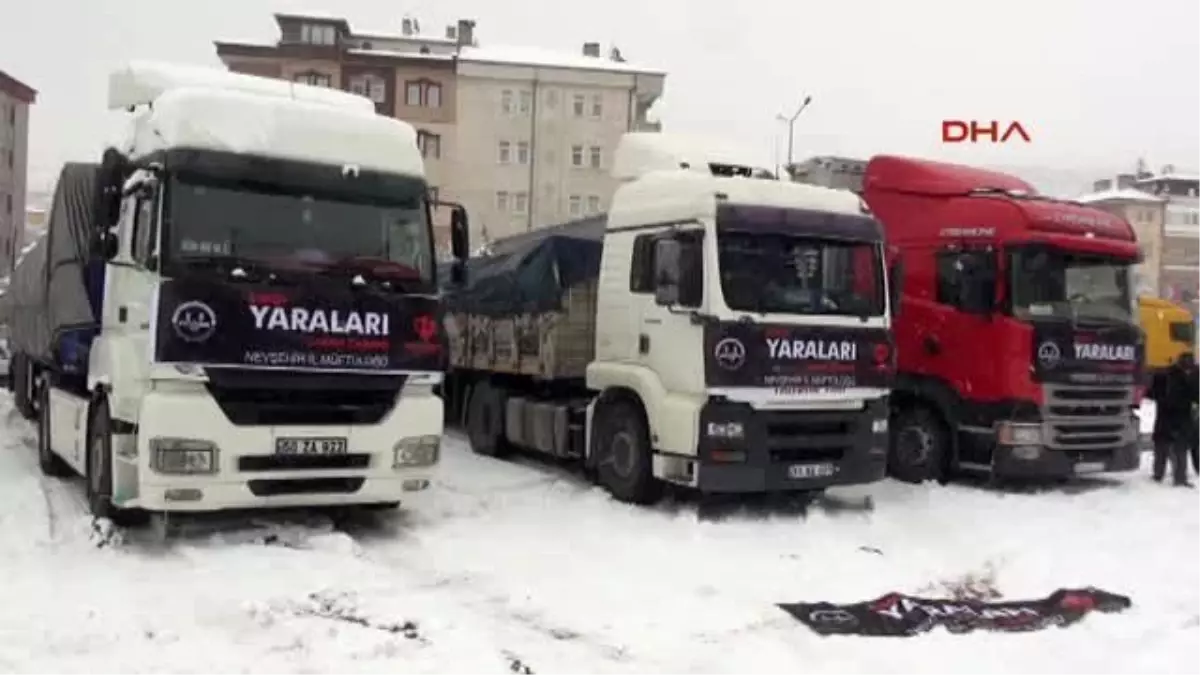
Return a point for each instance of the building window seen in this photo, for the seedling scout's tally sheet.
(595, 156)
(8, 203)
(12, 115)
(551, 98)
(504, 152)
(314, 78)
(506, 102)
(12, 158)
(520, 202)
(577, 105)
(423, 94)
(371, 86)
(576, 155)
(593, 204)
(502, 201)
(430, 145)
(523, 152)
(575, 205)
(318, 34)
(597, 106)
(526, 102)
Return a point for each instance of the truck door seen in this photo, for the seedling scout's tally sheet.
(961, 346)
(665, 345)
(132, 277)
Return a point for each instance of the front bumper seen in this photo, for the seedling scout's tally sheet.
(789, 450)
(1018, 461)
(1059, 448)
(248, 474)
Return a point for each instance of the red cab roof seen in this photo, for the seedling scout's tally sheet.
(922, 176)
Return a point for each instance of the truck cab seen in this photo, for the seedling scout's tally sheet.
(744, 321)
(246, 313)
(1019, 349)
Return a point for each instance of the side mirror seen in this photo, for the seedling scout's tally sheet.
(460, 229)
(895, 286)
(667, 272)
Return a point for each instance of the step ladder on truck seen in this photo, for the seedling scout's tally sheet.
(217, 320)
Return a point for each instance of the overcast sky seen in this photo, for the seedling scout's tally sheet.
(1097, 83)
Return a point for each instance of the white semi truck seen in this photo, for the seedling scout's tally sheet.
(716, 329)
(237, 308)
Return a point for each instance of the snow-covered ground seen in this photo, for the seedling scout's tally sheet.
(510, 566)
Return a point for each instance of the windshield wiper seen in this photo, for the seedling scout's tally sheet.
(238, 268)
(364, 271)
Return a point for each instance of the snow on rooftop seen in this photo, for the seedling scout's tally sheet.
(407, 55)
(537, 56)
(1123, 194)
(240, 122)
(142, 82)
(1171, 176)
(639, 153)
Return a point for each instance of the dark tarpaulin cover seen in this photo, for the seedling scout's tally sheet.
(899, 615)
(529, 272)
(48, 293)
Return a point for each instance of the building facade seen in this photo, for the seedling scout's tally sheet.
(1181, 234)
(522, 137)
(15, 100)
(841, 173)
(1147, 214)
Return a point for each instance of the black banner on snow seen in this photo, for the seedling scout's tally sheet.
(797, 358)
(298, 328)
(898, 615)
(1068, 355)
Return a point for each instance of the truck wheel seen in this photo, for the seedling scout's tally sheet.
(51, 464)
(624, 461)
(485, 421)
(100, 468)
(919, 442)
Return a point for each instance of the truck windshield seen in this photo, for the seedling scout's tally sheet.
(1052, 283)
(771, 272)
(275, 226)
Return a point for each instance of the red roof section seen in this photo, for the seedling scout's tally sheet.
(17, 88)
(923, 176)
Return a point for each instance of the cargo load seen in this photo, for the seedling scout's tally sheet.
(529, 305)
(48, 295)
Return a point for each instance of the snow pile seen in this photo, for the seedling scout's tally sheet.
(522, 568)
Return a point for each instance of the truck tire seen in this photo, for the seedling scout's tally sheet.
(100, 468)
(51, 464)
(625, 460)
(22, 386)
(485, 421)
(919, 444)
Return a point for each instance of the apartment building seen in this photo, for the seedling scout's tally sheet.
(1181, 233)
(522, 137)
(1147, 214)
(15, 99)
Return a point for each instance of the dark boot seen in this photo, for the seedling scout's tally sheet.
(1161, 450)
(1179, 464)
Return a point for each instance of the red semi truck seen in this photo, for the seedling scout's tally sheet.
(1019, 351)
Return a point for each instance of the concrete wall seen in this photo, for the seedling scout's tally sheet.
(14, 162)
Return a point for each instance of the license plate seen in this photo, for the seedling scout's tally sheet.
(310, 446)
(1090, 467)
(799, 471)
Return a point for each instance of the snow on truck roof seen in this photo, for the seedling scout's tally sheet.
(142, 82)
(668, 177)
(199, 113)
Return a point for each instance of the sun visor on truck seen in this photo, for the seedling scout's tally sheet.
(798, 222)
(529, 272)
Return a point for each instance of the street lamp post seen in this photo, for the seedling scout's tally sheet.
(791, 122)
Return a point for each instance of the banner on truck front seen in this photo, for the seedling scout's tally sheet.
(314, 328)
(797, 359)
(1067, 355)
(899, 615)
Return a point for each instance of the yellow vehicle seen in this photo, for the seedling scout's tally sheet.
(1170, 331)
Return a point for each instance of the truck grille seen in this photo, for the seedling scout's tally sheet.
(799, 436)
(1083, 418)
(257, 397)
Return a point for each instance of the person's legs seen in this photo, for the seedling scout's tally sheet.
(1161, 449)
(1179, 459)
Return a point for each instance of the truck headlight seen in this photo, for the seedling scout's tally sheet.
(416, 451)
(879, 426)
(1010, 433)
(183, 456)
